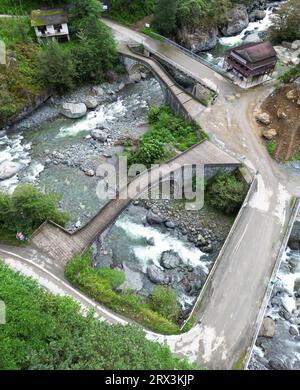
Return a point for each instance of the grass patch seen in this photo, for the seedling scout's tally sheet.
(8, 238)
(168, 133)
(101, 285)
(240, 364)
(152, 34)
(296, 156)
(271, 147)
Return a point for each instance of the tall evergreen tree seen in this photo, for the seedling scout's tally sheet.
(165, 17)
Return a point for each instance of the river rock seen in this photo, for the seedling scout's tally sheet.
(154, 219)
(73, 110)
(170, 224)
(264, 118)
(91, 102)
(99, 135)
(293, 330)
(269, 134)
(170, 259)
(135, 77)
(291, 95)
(121, 86)
(257, 15)
(156, 275)
(297, 287)
(150, 241)
(9, 169)
(97, 90)
(268, 328)
(199, 39)
(281, 114)
(296, 45)
(277, 364)
(238, 20)
(89, 172)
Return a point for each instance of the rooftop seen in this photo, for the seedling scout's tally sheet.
(46, 17)
(255, 52)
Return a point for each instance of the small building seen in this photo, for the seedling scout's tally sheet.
(50, 24)
(252, 63)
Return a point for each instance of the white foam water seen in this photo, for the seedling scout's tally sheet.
(256, 27)
(15, 150)
(104, 114)
(162, 242)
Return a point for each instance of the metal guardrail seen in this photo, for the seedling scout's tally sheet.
(181, 68)
(193, 55)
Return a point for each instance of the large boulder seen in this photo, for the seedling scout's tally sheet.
(91, 102)
(154, 219)
(97, 90)
(156, 275)
(263, 118)
(9, 169)
(238, 20)
(296, 45)
(170, 259)
(269, 134)
(292, 94)
(99, 135)
(257, 15)
(268, 328)
(73, 110)
(198, 39)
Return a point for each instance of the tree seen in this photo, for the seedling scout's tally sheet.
(164, 301)
(164, 20)
(27, 208)
(226, 193)
(96, 52)
(287, 28)
(57, 68)
(81, 10)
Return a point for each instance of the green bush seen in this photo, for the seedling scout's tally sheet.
(287, 27)
(226, 193)
(27, 208)
(272, 146)
(57, 68)
(100, 286)
(165, 129)
(130, 11)
(291, 74)
(164, 301)
(47, 332)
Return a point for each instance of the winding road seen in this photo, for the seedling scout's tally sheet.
(228, 315)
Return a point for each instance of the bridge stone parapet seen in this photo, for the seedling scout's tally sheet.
(181, 101)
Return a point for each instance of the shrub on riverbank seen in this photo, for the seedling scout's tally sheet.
(226, 192)
(287, 28)
(167, 131)
(98, 285)
(44, 331)
(27, 208)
